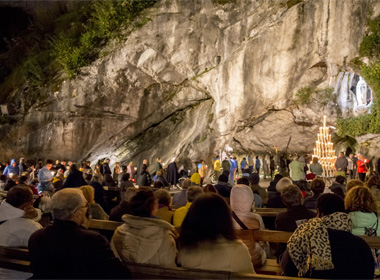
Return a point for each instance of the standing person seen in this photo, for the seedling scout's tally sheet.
(144, 177)
(272, 166)
(46, 177)
(236, 166)
(350, 170)
(362, 169)
(341, 164)
(132, 171)
(22, 167)
(232, 170)
(297, 170)
(243, 164)
(258, 164)
(11, 169)
(74, 179)
(116, 172)
(203, 172)
(172, 174)
(217, 167)
(355, 160)
(226, 165)
(158, 164)
(265, 166)
(250, 162)
(106, 168)
(316, 168)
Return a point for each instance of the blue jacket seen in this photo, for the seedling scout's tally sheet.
(258, 164)
(243, 164)
(11, 169)
(44, 175)
(233, 164)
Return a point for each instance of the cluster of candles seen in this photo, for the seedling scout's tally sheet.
(324, 151)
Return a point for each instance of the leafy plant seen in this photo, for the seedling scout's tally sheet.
(303, 95)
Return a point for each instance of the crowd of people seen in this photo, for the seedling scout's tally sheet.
(196, 227)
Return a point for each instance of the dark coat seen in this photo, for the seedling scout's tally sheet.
(144, 180)
(275, 201)
(351, 256)
(74, 180)
(119, 210)
(179, 199)
(310, 202)
(172, 175)
(22, 167)
(226, 165)
(67, 251)
(163, 180)
(224, 189)
(100, 196)
(106, 169)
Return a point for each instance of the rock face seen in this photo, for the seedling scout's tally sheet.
(200, 76)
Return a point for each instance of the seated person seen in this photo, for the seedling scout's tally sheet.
(339, 183)
(254, 179)
(179, 198)
(272, 185)
(125, 183)
(11, 182)
(67, 250)
(242, 201)
(196, 178)
(354, 183)
(16, 217)
(319, 248)
(317, 187)
(275, 201)
(123, 208)
(161, 178)
(143, 238)
(223, 187)
(180, 214)
(303, 185)
(164, 202)
(295, 215)
(96, 211)
(208, 239)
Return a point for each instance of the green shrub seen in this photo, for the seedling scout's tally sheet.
(370, 46)
(303, 95)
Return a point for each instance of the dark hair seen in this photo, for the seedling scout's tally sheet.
(49, 161)
(73, 167)
(244, 158)
(330, 203)
(374, 180)
(340, 179)
(303, 185)
(277, 177)
(163, 197)
(257, 157)
(254, 178)
(338, 191)
(243, 181)
(193, 192)
(3, 178)
(88, 176)
(23, 180)
(207, 219)
(18, 196)
(141, 204)
(317, 186)
(158, 185)
(209, 188)
(125, 177)
(223, 178)
(226, 173)
(291, 195)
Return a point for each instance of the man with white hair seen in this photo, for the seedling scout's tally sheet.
(67, 250)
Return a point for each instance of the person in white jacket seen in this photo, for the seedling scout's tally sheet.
(144, 238)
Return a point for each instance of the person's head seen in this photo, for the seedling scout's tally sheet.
(49, 164)
(125, 177)
(129, 193)
(159, 159)
(70, 163)
(291, 196)
(186, 184)
(116, 163)
(73, 168)
(57, 161)
(241, 198)
(361, 157)
(160, 173)
(317, 186)
(13, 162)
(374, 180)
(243, 181)
(351, 156)
(329, 203)
(217, 157)
(340, 179)
(163, 197)
(277, 177)
(63, 162)
(14, 178)
(20, 197)
(23, 180)
(254, 178)
(69, 204)
(354, 183)
(193, 192)
(89, 193)
(208, 219)
(87, 176)
(145, 161)
(244, 158)
(360, 199)
(223, 178)
(143, 203)
(22, 160)
(34, 182)
(107, 160)
(296, 157)
(131, 163)
(226, 173)
(341, 154)
(257, 157)
(158, 185)
(283, 183)
(315, 160)
(303, 185)
(235, 158)
(209, 188)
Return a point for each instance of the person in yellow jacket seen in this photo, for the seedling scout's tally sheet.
(196, 178)
(180, 214)
(203, 171)
(217, 167)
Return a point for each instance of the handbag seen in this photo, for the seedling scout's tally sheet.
(372, 231)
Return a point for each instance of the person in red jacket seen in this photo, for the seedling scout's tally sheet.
(362, 169)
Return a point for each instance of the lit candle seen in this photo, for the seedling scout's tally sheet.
(320, 130)
(324, 121)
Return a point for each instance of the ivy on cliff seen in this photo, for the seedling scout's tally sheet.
(370, 48)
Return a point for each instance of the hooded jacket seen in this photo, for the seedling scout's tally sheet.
(145, 240)
(14, 229)
(361, 221)
(11, 169)
(241, 201)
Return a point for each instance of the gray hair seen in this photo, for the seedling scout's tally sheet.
(193, 192)
(283, 183)
(65, 202)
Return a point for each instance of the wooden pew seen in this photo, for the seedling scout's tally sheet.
(14, 258)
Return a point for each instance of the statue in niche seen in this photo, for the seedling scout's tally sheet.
(361, 92)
